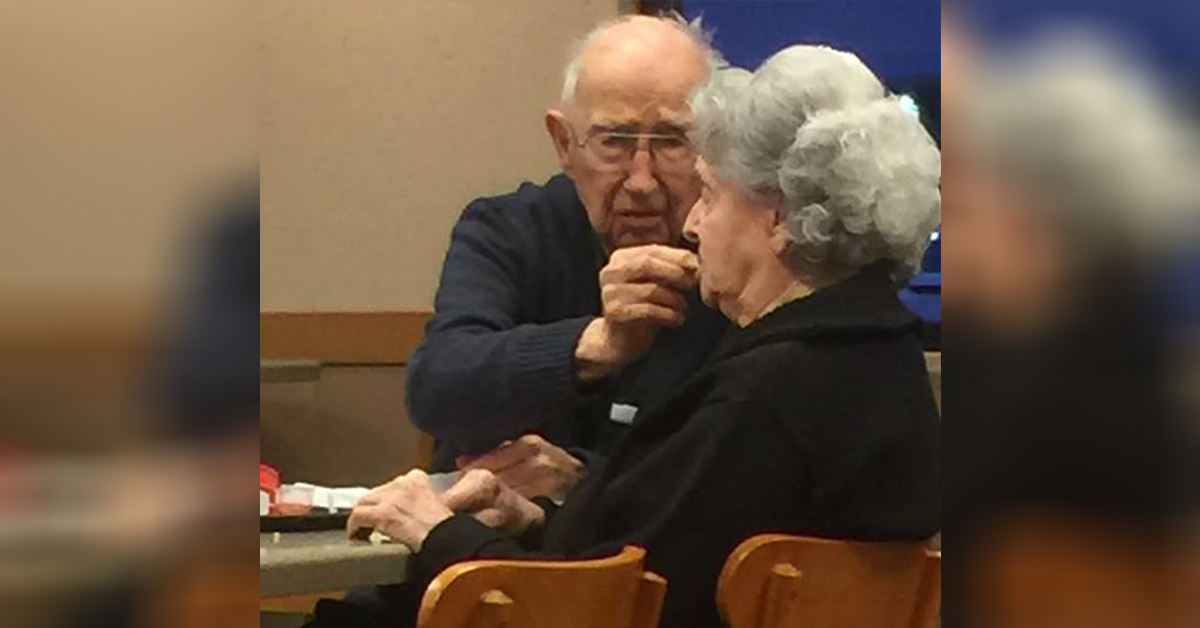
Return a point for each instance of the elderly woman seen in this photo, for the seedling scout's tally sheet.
(816, 416)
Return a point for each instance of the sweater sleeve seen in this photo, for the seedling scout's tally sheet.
(460, 538)
(463, 537)
(480, 376)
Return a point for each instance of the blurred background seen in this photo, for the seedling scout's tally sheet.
(1071, 151)
(128, 280)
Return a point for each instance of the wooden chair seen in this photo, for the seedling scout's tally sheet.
(781, 581)
(610, 592)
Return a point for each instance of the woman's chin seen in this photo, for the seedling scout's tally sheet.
(707, 296)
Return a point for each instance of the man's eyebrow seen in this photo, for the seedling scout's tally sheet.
(670, 127)
(662, 127)
(622, 127)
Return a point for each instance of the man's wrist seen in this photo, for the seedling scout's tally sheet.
(594, 355)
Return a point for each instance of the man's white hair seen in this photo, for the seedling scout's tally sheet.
(693, 29)
(858, 175)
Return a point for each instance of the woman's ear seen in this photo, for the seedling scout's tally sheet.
(556, 126)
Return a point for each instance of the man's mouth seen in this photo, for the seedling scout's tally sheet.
(640, 220)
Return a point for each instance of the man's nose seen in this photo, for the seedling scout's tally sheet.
(641, 179)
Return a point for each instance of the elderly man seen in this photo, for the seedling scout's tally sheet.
(563, 308)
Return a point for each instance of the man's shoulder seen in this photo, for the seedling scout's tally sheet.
(556, 197)
(529, 217)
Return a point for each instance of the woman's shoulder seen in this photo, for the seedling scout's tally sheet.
(824, 363)
(820, 390)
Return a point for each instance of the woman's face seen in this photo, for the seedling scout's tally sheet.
(735, 237)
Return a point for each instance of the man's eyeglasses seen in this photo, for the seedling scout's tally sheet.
(672, 152)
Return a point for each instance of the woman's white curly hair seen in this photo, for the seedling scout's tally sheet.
(858, 174)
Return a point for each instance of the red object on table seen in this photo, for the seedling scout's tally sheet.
(268, 479)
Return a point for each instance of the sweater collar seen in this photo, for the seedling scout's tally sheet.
(865, 302)
(563, 188)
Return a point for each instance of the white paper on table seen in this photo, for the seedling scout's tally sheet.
(299, 493)
(321, 496)
(344, 498)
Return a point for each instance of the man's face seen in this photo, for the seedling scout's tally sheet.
(642, 199)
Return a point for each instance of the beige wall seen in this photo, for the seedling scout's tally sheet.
(349, 427)
(121, 121)
(381, 120)
(118, 119)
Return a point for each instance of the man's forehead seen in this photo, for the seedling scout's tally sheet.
(631, 99)
(635, 78)
(662, 75)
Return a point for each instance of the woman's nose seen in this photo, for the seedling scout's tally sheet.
(689, 225)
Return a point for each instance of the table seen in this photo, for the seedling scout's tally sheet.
(312, 562)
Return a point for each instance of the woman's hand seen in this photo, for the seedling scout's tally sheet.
(493, 503)
(405, 509)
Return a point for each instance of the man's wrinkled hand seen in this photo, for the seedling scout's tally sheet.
(642, 290)
(531, 466)
(493, 502)
(405, 509)
(645, 285)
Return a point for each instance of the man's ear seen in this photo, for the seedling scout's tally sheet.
(556, 126)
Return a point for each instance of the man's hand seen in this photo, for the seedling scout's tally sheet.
(493, 503)
(642, 290)
(405, 509)
(531, 465)
(645, 285)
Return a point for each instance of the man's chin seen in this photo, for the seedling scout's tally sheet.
(624, 238)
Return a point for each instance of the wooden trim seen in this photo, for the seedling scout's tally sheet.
(298, 603)
(341, 337)
(288, 371)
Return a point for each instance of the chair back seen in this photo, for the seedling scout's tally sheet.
(614, 592)
(785, 581)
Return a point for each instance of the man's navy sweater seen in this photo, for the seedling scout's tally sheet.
(519, 285)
